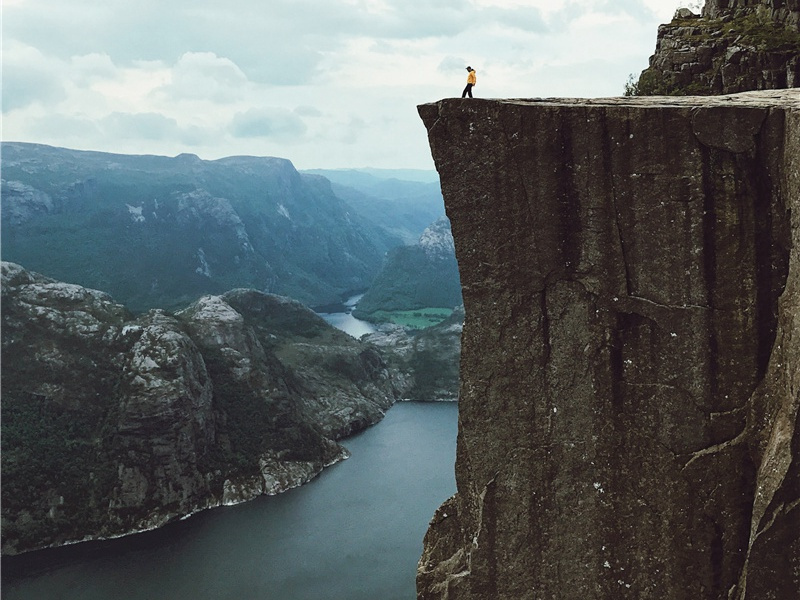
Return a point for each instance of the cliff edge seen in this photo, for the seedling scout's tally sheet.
(630, 373)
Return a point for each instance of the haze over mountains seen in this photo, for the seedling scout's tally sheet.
(160, 232)
(410, 200)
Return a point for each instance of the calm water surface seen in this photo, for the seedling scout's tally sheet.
(347, 322)
(354, 533)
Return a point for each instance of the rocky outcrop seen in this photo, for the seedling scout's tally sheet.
(162, 421)
(787, 11)
(437, 240)
(735, 46)
(23, 203)
(426, 360)
(630, 368)
(114, 424)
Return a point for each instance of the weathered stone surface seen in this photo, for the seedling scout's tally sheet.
(165, 424)
(629, 373)
(735, 46)
(778, 10)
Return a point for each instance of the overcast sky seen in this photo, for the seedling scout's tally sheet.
(324, 83)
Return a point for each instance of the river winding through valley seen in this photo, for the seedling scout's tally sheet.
(346, 321)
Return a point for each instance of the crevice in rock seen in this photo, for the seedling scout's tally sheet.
(484, 540)
(717, 552)
(740, 438)
(614, 205)
(710, 260)
(669, 306)
(771, 268)
(545, 328)
(569, 215)
(781, 510)
(616, 364)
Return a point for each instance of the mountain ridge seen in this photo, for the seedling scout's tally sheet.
(422, 275)
(160, 231)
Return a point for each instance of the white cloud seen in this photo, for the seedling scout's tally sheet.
(308, 111)
(68, 128)
(204, 75)
(29, 77)
(89, 68)
(143, 126)
(325, 83)
(129, 89)
(274, 123)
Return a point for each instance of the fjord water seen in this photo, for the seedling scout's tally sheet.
(345, 321)
(354, 533)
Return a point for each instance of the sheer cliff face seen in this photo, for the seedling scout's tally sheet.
(629, 370)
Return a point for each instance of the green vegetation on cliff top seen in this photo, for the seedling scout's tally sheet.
(752, 30)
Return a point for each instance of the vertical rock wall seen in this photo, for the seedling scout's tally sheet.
(629, 371)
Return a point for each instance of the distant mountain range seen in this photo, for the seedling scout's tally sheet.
(160, 232)
(403, 202)
(369, 177)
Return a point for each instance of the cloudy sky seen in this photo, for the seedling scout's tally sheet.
(325, 83)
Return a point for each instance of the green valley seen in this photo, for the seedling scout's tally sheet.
(413, 319)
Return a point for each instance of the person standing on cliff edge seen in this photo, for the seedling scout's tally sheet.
(471, 80)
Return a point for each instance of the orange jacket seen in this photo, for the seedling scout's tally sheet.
(471, 77)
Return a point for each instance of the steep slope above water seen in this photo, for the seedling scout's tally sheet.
(113, 424)
(419, 276)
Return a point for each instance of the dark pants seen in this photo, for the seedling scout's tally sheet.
(467, 90)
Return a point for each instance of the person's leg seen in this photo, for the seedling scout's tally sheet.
(466, 90)
(470, 90)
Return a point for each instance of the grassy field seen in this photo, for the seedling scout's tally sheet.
(419, 318)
